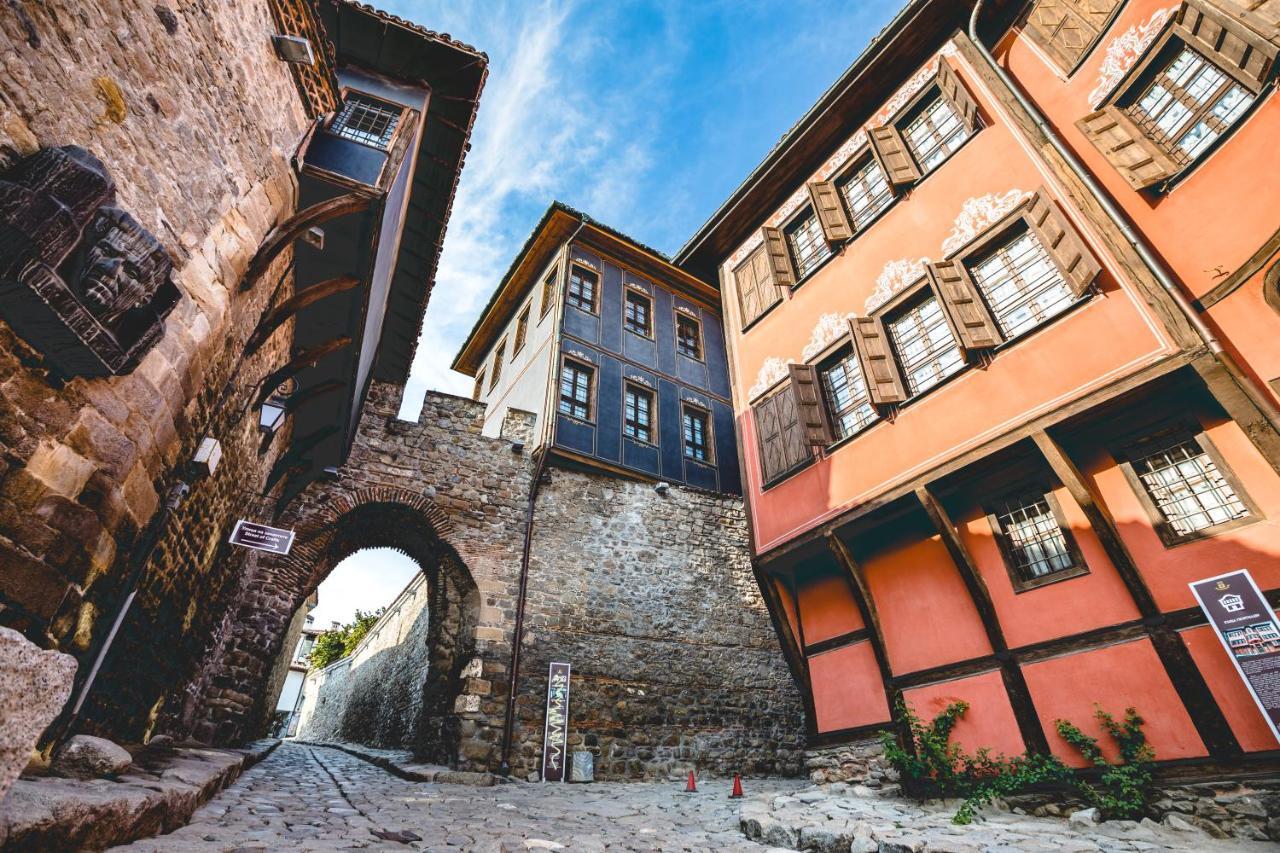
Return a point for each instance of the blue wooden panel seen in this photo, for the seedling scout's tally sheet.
(717, 361)
(611, 309)
(726, 448)
(609, 410)
(692, 371)
(664, 327)
(669, 431)
(638, 350)
(702, 476)
(581, 324)
(642, 457)
(575, 435)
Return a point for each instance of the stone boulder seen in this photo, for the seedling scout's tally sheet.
(34, 685)
(88, 757)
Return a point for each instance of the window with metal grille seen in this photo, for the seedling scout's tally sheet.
(934, 133)
(866, 193)
(695, 434)
(637, 415)
(1189, 104)
(575, 390)
(548, 292)
(522, 330)
(366, 120)
(582, 289)
(927, 351)
(1184, 483)
(638, 317)
(497, 363)
(845, 393)
(805, 241)
(688, 336)
(1021, 284)
(1034, 542)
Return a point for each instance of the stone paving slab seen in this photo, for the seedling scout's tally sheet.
(157, 794)
(402, 763)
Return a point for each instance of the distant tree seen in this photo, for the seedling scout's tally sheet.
(357, 629)
(336, 644)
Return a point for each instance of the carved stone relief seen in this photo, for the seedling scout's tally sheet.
(80, 280)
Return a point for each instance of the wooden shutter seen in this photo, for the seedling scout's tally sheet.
(830, 211)
(1261, 16)
(972, 322)
(756, 292)
(884, 383)
(1066, 29)
(955, 92)
(780, 434)
(890, 151)
(1063, 243)
(1227, 41)
(818, 431)
(1138, 160)
(775, 246)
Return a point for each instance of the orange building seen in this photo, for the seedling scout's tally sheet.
(1001, 312)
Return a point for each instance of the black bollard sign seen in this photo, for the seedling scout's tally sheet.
(1249, 632)
(260, 537)
(555, 737)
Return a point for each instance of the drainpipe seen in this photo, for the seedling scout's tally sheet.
(1264, 403)
(513, 669)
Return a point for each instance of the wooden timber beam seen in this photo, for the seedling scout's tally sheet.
(1024, 709)
(295, 456)
(790, 645)
(291, 306)
(282, 236)
(1178, 664)
(1226, 391)
(302, 360)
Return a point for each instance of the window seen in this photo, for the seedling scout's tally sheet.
(1021, 284)
(757, 292)
(806, 243)
(575, 390)
(688, 336)
(522, 330)
(934, 132)
(866, 193)
(845, 394)
(696, 430)
(1034, 540)
(497, 363)
(926, 349)
(548, 291)
(479, 389)
(582, 289)
(637, 417)
(1068, 29)
(638, 316)
(1186, 488)
(780, 435)
(1190, 103)
(366, 120)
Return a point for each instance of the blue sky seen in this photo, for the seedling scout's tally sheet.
(645, 115)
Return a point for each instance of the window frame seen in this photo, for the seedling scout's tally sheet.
(392, 140)
(522, 330)
(918, 105)
(708, 432)
(861, 158)
(1137, 446)
(627, 386)
(595, 289)
(822, 362)
(1068, 72)
(793, 221)
(900, 303)
(590, 370)
(478, 391)
(697, 324)
(499, 352)
(549, 287)
(630, 292)
(1027, 489)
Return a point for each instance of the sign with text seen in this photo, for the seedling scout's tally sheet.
(260, 537)
(1249, 632)
(555, 737)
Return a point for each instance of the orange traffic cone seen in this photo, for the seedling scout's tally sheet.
(691, 787)
(737, 787)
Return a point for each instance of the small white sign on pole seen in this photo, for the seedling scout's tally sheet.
(260, 537)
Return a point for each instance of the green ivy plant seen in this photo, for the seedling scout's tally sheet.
(1123, 789)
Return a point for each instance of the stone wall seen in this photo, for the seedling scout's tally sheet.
(195, 119)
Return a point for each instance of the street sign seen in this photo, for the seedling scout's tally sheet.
(555, 737)
(1248, 629)
(260, 537)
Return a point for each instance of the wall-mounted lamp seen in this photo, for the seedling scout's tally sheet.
(517, 447)
(661, 488)
(271, 417)
(293, 49)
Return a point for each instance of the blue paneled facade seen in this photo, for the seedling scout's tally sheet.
(615, 356)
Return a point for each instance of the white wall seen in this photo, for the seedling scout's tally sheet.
(289, 693)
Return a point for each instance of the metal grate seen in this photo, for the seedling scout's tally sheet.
(1021, 284)
(688, 337)
(695, 434)
(637, 314)
(575, 391)
(638, 414)
(367, 121)
(934, 133)
(1035, 542)
(1186, 486)
(1190, 104)
(807, 244)
(925, 346)
(866, 193)
(582, 289)
(846, 394)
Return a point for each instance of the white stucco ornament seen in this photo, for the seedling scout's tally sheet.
(771, 372)
(895, 276)
(978, 214)
(1124, 51)
(829, 329)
